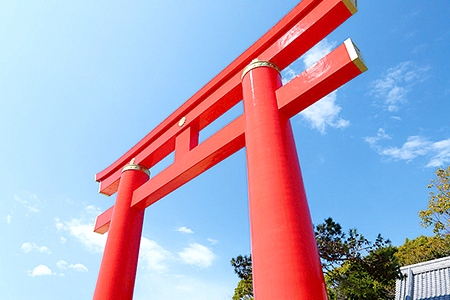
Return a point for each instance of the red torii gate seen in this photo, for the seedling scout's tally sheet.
(286, 264)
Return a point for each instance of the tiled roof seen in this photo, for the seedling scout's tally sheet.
(426, 280)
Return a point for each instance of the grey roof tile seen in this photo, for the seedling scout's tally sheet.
(428, 280)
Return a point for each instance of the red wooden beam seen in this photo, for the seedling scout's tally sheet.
(334, 70)
(103, 221)
(311, 29)
(233, 68)
(221, 145)
(308, 23)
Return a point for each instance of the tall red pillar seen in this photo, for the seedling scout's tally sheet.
(118, 268)
(286, 264)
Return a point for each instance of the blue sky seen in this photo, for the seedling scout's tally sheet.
(81, 82)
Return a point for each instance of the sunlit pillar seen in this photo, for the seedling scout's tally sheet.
(286, 264)
(119, 263)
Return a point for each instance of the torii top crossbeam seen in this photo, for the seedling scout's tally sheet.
(307, 24)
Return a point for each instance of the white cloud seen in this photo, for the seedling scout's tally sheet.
(415, 146)
(61, 264)
(8, 219)
(28, 247)
(373, 140)
(40, 270)
(82, 229)
(395, 85)
(83, 232)
(197, 255)
(184, 230)
(29, 206)
(213, 241)
(287, 75)
(437, 153)
(152, 256)
(441, 153)
(317, 52)
(324, 113)
(79, 267)
(396, 118)
(42, 249)
(59, 225)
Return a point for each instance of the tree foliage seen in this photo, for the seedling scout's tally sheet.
(243, 268)
(371, 278)
(423, 249)
(244, 290)
(335, 247)
(437, 214)
(354, 267)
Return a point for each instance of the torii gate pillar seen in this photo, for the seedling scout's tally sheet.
(119, 263)
(286, 264)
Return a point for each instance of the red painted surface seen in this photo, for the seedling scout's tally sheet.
(286, 263)
(285, 260)
(185, 142)
(221, 145)
(328, 74)
(191, 159)
(308, 23)
(118, 269)
(103, 221)
(311, 28)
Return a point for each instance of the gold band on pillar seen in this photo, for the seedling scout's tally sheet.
(133, 166)
(259, 63)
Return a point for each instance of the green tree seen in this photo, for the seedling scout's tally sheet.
(423, 248)
(354, 267)
(335, 247)
(243, 268)
(244, 290)
(437, 214)
(371, 278)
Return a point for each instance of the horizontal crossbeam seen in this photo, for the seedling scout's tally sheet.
(334, 70)
(303, 27)
(338, 67)
(103, 221)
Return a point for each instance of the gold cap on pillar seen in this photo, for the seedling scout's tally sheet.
(259, 63)
(133, 166)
